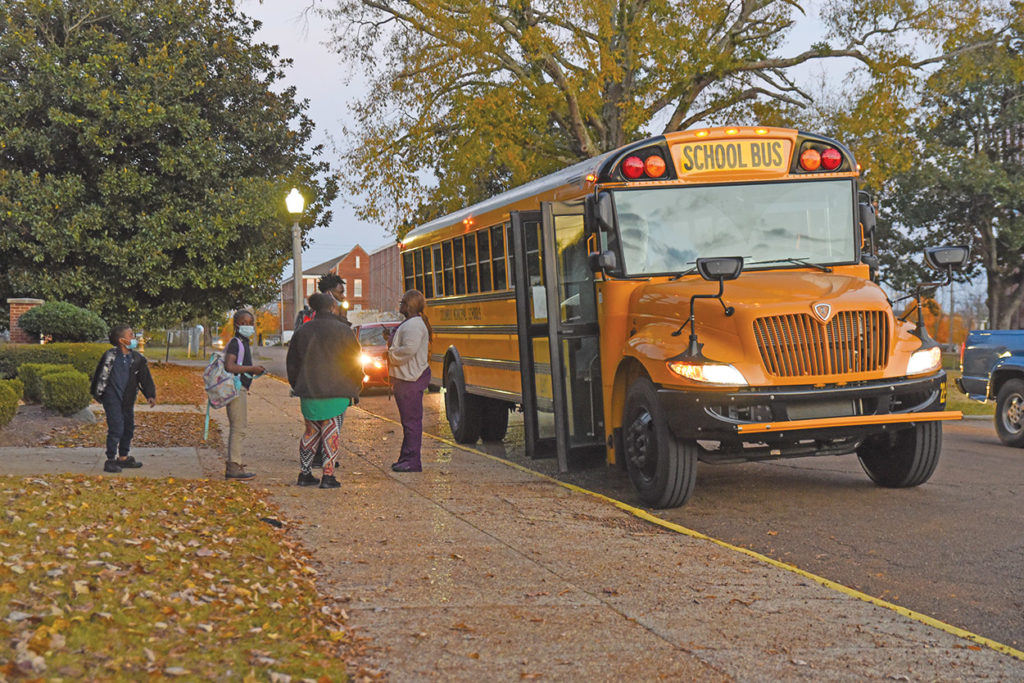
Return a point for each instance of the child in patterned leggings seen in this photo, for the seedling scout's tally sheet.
(325, 434)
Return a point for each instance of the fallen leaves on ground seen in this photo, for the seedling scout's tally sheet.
(153, 430)
(126, 579)
(177, 384)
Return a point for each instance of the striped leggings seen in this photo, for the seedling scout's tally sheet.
(325, 433)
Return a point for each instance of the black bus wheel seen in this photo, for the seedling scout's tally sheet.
(494, 419)
(462, 409)
(1010, 413)
(663, 469)
(905, 458)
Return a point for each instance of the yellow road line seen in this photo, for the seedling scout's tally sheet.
(672, 526)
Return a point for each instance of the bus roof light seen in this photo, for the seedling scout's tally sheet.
(633, 167)
(654, 166)
(810, 160)
(831, 159)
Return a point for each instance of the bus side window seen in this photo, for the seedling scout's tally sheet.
(428, 276)
(407, 271)
(438, 272)
(449, 274)
(498, 256)
(483, 248)
(460, 267)
(418, 260)
(472, 286)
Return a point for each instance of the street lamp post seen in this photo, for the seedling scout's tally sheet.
(295, 204)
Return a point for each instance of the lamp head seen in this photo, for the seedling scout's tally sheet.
(294, 202)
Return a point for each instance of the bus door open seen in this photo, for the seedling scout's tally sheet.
(558, 330)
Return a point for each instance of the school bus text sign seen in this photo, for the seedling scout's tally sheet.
(734, 156)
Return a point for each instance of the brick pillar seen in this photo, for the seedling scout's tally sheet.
(18, 308)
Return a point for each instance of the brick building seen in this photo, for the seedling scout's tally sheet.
(353, 267)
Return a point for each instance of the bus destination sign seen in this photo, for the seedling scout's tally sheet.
(731, 156)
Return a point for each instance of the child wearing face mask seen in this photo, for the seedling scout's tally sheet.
(121, 372)
(238, 360)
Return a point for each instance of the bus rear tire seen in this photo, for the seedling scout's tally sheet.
(662, 468)
(493, 419)
(463, 410)
(903, 459)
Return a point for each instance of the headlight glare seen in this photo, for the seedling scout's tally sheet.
(924, 360)
(709, 373)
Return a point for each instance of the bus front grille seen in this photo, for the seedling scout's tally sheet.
(797, 345)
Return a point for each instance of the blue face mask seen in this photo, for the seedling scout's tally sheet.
(132, 345)
(246, 330)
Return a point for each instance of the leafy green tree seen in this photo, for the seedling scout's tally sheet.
(146, 147)
(967, 183)
(468, 98)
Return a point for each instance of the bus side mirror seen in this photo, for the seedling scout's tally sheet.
(947, 258)
(601, 211)
(867, 219)
(604, 262)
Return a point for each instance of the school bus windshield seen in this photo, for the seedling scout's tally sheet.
(664, 230)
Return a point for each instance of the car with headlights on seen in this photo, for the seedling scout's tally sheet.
(373, 339)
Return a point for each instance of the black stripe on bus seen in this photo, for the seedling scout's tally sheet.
(475, 329)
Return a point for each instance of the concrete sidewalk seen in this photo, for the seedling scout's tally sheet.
(473, 570)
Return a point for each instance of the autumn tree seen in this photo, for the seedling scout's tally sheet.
(467, 98)
(146, 147)
(967, 181)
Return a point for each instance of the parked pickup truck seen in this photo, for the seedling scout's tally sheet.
(992, 367)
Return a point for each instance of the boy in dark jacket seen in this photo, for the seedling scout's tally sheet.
(120, 373)
(325, 373)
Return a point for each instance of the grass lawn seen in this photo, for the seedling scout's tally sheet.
(155, 430)
(177, 384)
(128, 579)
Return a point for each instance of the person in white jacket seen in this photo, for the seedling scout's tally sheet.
(408, 351)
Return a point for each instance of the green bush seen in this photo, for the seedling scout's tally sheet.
(31, 374)
(66, 392)
(63, 322)
(8, 404)
(14, 355)
(83, 356)
(15, 385)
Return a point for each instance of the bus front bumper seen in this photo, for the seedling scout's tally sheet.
(790, 414)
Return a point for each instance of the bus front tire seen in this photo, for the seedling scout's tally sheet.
(463, 410)
(1010, 413)
(662, 468)
(903, 459)
(494, 419)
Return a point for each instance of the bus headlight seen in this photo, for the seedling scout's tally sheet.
(709, 373)
(365, 359)
(924, 360)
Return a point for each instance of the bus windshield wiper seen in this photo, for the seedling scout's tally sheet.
(682, 273)
(798, 262)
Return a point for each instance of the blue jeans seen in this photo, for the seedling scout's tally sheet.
(120, 426)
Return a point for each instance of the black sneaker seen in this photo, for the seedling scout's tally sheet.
(111, 466)
(307, 479)
(329, 482)
(128, 463)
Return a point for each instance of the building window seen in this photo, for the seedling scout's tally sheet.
(310, 284)
(357, 288)
(357, 260)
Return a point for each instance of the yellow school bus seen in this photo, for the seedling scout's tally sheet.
(706, 295)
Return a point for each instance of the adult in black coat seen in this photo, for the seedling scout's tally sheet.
(324, 371)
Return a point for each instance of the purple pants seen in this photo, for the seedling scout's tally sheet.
(409, 398)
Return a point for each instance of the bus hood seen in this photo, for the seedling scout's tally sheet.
(763, 294)
(774, 316)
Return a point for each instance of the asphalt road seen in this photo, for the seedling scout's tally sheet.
(952, 548)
